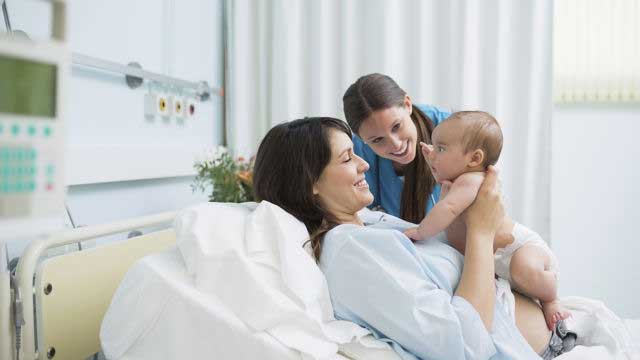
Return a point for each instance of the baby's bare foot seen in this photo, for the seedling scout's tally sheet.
(554, 312)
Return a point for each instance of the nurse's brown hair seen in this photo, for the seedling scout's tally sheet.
(375, 92)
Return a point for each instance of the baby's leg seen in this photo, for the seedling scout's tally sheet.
(530, 273)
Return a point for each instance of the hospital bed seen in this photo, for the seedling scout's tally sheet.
(72, 292)
(148, 277)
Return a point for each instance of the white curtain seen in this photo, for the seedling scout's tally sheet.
(293, 58)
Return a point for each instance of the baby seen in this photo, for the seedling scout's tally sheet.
(463, 146)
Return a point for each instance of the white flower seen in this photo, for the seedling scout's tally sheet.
(211, 154)
(221, 150)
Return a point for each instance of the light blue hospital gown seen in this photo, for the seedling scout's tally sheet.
(403, 293)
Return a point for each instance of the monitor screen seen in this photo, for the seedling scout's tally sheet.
(27, 87)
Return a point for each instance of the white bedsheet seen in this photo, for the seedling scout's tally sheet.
(601, 334)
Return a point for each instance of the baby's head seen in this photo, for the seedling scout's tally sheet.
(466, 141)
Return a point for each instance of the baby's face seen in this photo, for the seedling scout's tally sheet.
(448, 159)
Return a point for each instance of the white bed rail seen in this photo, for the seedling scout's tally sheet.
(29, 261)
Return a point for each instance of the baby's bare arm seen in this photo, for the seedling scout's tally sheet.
(461, 194)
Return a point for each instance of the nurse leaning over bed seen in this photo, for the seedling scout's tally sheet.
(426, 300)
(388, 129)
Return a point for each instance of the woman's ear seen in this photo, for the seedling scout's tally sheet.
(315, 189)
(407, 104)
(477, 158)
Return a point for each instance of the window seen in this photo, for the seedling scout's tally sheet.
(596, 51)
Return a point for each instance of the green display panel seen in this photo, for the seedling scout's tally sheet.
(27, 87)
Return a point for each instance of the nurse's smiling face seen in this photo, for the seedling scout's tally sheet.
(391, 133)
(342, 189)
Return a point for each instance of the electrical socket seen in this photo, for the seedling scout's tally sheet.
(190, 108)
(177, 107)
(155, 105)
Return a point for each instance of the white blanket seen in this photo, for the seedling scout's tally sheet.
(601, 334)
(253, 261)
(157, 313)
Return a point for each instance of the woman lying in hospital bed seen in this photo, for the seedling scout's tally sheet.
(420, 297)
(424, 299)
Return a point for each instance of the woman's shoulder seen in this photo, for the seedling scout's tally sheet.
(344, 233)
(384, 226)
(361, 241)
(334, 241)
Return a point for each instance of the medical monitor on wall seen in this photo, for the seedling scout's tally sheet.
(33, 81)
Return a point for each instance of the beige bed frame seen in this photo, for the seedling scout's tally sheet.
(73, 291)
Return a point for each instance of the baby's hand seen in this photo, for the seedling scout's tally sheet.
(426, 150)
(413, 234)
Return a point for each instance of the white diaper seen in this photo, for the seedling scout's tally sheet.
(521, 235)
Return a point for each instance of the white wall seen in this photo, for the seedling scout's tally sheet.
(595, 206)
(178, 38)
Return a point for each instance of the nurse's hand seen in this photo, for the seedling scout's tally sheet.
(486, 213)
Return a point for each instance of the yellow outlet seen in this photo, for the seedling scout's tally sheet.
(163, 105)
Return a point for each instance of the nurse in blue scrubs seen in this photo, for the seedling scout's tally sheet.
(388, 130)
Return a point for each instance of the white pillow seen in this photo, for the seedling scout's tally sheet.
(198, 226)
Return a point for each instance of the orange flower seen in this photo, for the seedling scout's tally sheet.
(246, 177)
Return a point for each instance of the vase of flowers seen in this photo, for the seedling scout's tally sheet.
(227, 178)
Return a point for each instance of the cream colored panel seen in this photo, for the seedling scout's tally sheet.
(73, 292)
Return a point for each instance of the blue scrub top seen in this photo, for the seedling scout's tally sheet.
(384, 183)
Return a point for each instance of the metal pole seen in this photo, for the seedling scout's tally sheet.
(5, 12)
(225, 70)
(202, 89)
(59, 23)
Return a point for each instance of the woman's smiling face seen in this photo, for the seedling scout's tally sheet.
(391, 133)
(342, 188)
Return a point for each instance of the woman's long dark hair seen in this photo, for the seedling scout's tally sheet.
(375, 92)
(290, 160)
